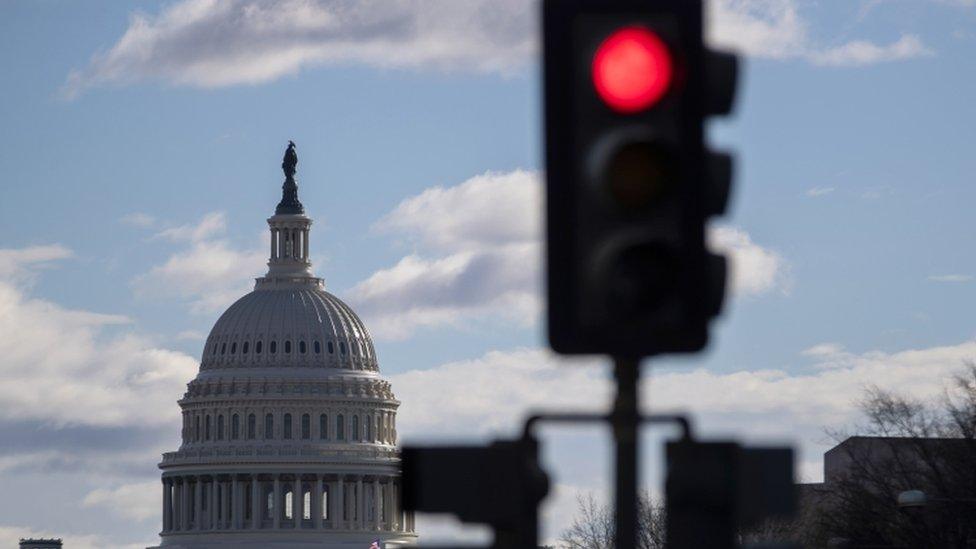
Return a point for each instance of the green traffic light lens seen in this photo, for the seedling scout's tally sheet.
(638, 174)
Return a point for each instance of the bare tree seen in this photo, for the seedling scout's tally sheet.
(917, 446)
(593, 527)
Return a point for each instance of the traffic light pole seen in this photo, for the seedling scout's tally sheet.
(625, 420)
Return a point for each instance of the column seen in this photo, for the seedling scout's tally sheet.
(360, 504)
(297, 501)
(222, 519)
(276, 508)
(176, 503)
(339, 515)
(388, 505)
(197, 497)
(274, 244)
(236, 514)
(317, 503)
(377, 504)
(212, 504)
(305, 244)
(185, 504)
(167, 500)
(255, 503)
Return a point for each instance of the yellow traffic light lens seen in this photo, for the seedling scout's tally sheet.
(639, 174)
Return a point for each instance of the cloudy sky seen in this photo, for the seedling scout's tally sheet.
(139, 156)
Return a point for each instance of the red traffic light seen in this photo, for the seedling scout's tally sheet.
(632, 69)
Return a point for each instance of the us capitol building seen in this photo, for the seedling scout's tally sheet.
(289, 431)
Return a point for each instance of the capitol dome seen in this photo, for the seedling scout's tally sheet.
(302, 327)
(289, 432)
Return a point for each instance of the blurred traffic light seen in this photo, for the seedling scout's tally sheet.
(718, 490)
(500, 485)
(630, 184)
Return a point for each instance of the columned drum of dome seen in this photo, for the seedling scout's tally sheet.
(289, 431)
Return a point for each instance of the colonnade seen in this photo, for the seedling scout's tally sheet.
(279, 501)
(289, 243)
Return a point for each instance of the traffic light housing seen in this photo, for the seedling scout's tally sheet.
(500, 485)
(716, 490)
(630, 184)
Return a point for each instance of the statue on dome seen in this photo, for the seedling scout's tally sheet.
(290, 161)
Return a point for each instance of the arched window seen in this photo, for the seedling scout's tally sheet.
(208, 428)
(323, 426)
(235, 427)
(318, 348)
(252, 427)
(306, 504)
(380, 435)
(214, 349)
(233, 347)
(306, 426)
(268, 426)
(289, 509)
(273, 347)
(355, 428)
(270, 506)
(220, 427)
(196, 428)
(325, 502)
(331, 348)
(301, 347)
(223, 348)
(257, 347)
(342, 347)
(366, 426)
(287, 429)
(288, 346)
(244, 350)
(340, 428)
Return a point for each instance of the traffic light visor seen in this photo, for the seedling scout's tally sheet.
(632, 69)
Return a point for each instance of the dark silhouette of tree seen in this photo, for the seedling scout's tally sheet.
(593, 526)
(909, 445)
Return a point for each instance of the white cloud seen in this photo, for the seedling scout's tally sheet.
(819, 191)
(211, 225)
(204, 43)
(207, 44)
(776, 29)
(210, 273)
(77, 373)
(490, 395)
(485, 236)
(824, 350)
(138, 219)
(135, 501)
(19, 265)
(489, 209)
(951, 278)
(763, 28)
(754, 269)
(481, 258)
(191, 335)
(862, 52)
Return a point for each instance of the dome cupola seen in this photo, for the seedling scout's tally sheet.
(289, 322)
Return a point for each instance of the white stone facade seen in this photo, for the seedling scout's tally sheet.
(289, 432)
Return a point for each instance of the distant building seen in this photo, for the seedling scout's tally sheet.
(892, 492)
(289, 431)
(40, 543)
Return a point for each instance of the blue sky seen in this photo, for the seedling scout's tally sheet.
(140, 156)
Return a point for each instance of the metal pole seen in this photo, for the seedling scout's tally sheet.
(626, 419)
